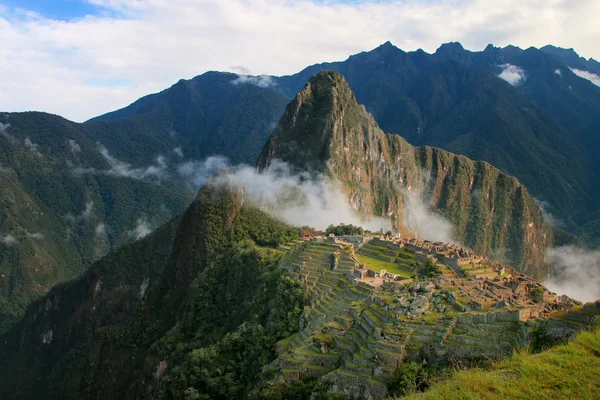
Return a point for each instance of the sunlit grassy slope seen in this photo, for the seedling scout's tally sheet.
(570, 371)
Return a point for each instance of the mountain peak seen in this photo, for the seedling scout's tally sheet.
(489, 47)
(450, 47)
(309, 121)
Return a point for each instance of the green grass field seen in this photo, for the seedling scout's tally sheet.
(569, 371)
(378, 265)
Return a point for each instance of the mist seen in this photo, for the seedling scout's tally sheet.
(512, 74)
(423, 222)
(7, 239)
(295, 199)
(595, 79)
(576, 272)
(142, 228)
(262, 81)
(120, 168)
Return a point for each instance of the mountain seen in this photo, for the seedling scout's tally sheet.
(63, 206)
(572, 59)
(211, 114)
(94, 186)
(539, 131)
(543, 130)
(197, 290)
(326, 131)
(225, 302)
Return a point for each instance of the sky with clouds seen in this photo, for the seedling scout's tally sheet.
(82, 58)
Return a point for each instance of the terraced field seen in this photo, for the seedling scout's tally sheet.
(379, 257)
(355, 336)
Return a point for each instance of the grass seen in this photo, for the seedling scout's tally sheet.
(378, 265)
(569, 371)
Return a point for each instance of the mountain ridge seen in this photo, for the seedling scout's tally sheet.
(325, 130)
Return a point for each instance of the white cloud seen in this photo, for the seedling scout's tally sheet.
(177, 150)
(32, 146)
(120, 168)
(576, 273)
(295, 199)
(103, 62)
(89, 206)
(595, 79)
(558, 72)
(74, 147)
(512, 74)
(263, 81)
(142, 228)
(37, 236)
(100, 230)
(8, 239)
(425, 223)
(85, 214)
(551, 218)
(198, 173)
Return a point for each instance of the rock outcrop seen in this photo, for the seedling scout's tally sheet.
(326, 132)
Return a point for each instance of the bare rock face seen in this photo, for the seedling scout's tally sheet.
(326, 132)
(419, 305)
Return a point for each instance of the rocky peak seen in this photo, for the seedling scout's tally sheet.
(324, 130)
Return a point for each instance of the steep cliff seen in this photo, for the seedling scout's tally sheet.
(325, 131)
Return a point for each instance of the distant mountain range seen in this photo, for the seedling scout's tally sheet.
(543, 127)
(539, 123)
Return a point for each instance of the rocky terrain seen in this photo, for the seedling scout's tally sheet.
(358, 331)
(325, 131)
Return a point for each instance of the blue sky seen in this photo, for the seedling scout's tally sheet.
(55, 9)
(88, 66)
(66, 10)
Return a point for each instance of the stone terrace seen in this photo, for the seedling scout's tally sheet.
(355, 335)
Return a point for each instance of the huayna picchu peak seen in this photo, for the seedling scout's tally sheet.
(325, 131)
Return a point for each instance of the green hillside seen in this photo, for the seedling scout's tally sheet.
(61, 220)
(225, 302)
(568, 371)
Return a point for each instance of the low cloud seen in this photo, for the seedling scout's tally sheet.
(423, 222)
(4, 127)
(142, 228)
(73, 146)
(576, 273)
(177, 150)
(100, 230)
(8, 240)
(37, 236)
(85, 214)
(263, 81)
(553, 220)
(558, 72)
(120, 168)
(295, 199)
(512, 74)
(197, 173)
(32, 146)
(595, 79)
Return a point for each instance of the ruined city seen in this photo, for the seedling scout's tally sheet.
(378, 302)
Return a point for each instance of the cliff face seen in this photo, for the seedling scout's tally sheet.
(325, 131)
